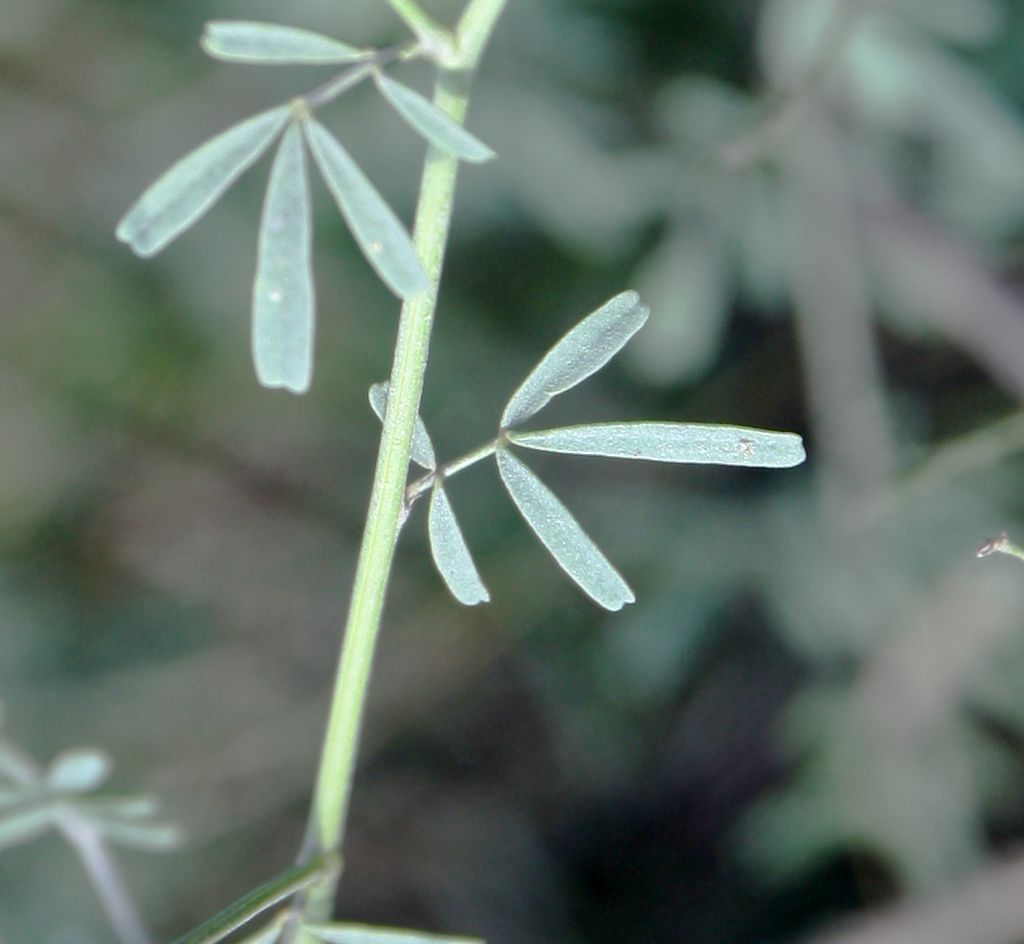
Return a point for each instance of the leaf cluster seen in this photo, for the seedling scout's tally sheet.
(283, 305)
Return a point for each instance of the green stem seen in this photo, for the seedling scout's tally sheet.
(319, 868)
(426, 482)
(427, 30)
(430, 235)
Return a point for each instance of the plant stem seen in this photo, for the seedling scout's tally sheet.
(426, 482)
(249, 906)
(343, 81)
(106, 879)
(429, 32)
(430, 235)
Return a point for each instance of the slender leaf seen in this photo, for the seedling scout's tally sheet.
(671, 442)
(186, 191)
(270, 43)
(451, 555)
(25, 825)
(380, 235)
(422, 447)
(283, 296)
(580, 353)
(562, 535)
(78, 771)
(366, 934)
(152, 837)
(427, 119)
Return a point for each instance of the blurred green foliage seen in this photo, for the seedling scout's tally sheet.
(814, 707)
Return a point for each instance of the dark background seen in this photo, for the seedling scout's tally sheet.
(814, 709)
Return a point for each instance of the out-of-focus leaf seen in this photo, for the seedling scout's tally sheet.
(671, 442)
(591, 198)
(186, 191)
(702, 112)
(972, 22)
(23, 826)
(283, 295)
(422, 448)
(15, 767)
(580, 353)
(426, 118)
(366, 934)
(270, 43)
(451, 555)
(135, 807)
(562, 535)
(685, 283)
(17, 797)
(151, 837)
(78, 771)
(378, 232)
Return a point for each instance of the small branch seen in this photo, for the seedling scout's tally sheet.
(1001, 545)
(970, 454)
(426, 482)
(106, 878)
(343, 81)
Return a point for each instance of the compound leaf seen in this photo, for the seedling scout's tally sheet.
(562, 535)
(422, 448)
(432, 123)
(366, 934)
(671, 442)
(283, 295)
(580, 353)
(272, 44)
(450, 553)
(78, 771)
(376, 229)
(186, 191)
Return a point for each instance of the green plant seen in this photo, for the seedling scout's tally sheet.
(282, 343)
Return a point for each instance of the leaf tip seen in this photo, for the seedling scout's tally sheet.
(296, 385)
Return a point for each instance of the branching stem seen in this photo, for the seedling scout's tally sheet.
(343, 81)
(426, 482)
(430, 236)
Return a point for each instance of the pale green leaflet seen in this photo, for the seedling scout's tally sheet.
(283, 297)
(186, 191)
(432, 123)
(562, 535)
(450, 553)
(382, 239)
(270, 44)
(671, 442)
(582, 352)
